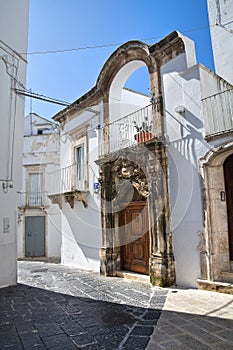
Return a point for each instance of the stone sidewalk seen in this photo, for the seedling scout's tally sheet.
(194, 319)
(62, 308)
(57, 307)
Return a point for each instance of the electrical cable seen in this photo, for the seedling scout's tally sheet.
(104, 45)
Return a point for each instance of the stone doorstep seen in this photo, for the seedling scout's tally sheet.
(134, 276)
(215, 286)
(227, 276)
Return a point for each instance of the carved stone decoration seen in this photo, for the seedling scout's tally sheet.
(125, 169)
(56, 199)
(81, 196)
(70, 197)
(134, 175)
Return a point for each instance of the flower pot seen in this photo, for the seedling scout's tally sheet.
(143, 136)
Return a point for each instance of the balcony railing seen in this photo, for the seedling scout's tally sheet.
(67, 179)
(33, 199)
(127, 131)
(218, 113)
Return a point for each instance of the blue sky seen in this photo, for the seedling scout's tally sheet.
(66, 24)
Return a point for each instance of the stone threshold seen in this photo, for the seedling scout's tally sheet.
(215, 286)
(227, 275)
(134, 276)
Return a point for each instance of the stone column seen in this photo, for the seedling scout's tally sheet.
(108, 258)
(162, 267)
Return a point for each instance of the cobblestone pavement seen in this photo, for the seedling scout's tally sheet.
(194, 319)
(57, 307)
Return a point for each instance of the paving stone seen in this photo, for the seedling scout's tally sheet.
(136, 343)
(152, 315)
(83, 339)
(173, 344)
(59, 341)
(142, 330)
(224, 345)
(16, 347)
(73, 309)
(227, 334)
(31, 340)
(46, 330)
(201, 334)
(208, 325)
(192, 343)
(72, 328)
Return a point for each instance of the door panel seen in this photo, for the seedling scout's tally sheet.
(135, 254)
(228, 173)
(35, 236)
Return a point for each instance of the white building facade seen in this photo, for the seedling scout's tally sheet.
(152, 209)
(76, 186)
(221, 30)
(13, 63)
(38, 227)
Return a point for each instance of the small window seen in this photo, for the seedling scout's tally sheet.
(39, 132)
(80, 162)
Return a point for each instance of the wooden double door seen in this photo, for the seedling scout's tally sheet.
(228, 172)
(135, 251)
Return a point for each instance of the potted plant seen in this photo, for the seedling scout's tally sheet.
(144, 131)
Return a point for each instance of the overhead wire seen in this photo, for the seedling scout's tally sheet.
(104, 45)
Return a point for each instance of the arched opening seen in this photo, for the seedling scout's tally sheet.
(129, 99)
(130, 110)
(123, 98)
(216, 247)
(228, 176)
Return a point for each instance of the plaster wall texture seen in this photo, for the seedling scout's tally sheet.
(81, 227)
(184, 129)
(41, 153)
(221, 30)
(14, 39)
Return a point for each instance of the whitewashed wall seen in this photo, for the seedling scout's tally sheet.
(221, 29)
(14, 34)
(184, 128)
(81, 227)
(42, 151)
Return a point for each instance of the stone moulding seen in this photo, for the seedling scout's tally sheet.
(211, 252)
(70, 197)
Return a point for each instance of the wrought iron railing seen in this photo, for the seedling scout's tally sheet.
(67, 179)
(127, 131)
(218, 112)
(33, 199)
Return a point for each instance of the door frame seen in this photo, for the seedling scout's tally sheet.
(34, 213)
(229, 204)
(128, 206)
(214, 245)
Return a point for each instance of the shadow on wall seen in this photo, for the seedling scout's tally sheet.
(82, 230)
(185, 196)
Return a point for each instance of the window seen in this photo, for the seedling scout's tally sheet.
(35, 189)
(40, 132)
(80, 166)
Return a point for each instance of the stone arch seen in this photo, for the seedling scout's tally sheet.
(128, 52)
(121, 64)
(214, 250)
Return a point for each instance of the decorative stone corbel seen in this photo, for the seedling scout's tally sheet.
(56, 199)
